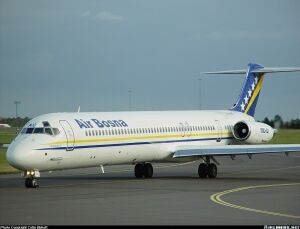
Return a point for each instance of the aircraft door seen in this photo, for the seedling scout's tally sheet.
(219, 130)
(188, 129)
(182, 129)
(69, 134)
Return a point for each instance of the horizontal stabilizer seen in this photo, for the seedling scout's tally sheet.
(260, 70)
(274, 70)
(242, 71)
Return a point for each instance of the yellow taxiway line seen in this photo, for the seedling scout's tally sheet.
(217, 199)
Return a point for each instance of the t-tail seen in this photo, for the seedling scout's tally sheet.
(247, 100)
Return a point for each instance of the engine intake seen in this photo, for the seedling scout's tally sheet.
(252, 132)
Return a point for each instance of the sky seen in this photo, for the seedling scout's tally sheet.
(61, 54)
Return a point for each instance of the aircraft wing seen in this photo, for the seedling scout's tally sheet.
(231, 150)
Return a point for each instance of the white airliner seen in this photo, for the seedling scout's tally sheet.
(76, 140)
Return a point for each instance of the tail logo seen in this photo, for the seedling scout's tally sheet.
(253, 91)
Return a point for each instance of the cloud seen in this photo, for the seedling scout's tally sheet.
(109, 16)
(86, 14)
(103, 16)
(247, 35)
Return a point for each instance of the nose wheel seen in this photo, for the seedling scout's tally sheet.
(31, 178)
(31, 182)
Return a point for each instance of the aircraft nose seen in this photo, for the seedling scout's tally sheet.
(16, 156)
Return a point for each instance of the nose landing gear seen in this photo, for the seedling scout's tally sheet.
(31, 182)
(31, 179)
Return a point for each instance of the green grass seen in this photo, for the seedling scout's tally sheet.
(4, 166)
(8, 134)
(284, 136)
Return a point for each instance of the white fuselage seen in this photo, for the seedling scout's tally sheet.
(109, 138)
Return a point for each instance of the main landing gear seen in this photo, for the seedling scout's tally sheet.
(31, 179)
(143, 170)
(207, 169)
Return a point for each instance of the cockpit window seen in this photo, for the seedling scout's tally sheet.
(39, 130)
(55, 131)
(29, 130)
(46, 124)
(47, 129)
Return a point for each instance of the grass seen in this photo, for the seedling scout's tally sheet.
(7, 135)
(284, 136)
(4, 166)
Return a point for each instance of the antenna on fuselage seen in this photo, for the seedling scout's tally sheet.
(78, 109)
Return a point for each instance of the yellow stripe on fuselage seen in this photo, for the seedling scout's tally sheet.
(224, 134)
(255, 93)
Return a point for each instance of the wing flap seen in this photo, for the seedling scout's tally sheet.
(189, 151)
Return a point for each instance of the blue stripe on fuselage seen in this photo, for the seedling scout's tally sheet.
(135, 143)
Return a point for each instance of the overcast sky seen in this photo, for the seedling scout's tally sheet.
(56, 55)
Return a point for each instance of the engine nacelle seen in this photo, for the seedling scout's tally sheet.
(252, 132)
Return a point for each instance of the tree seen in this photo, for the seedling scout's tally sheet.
(278, 122)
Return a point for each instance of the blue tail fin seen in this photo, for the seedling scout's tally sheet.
(248, 97)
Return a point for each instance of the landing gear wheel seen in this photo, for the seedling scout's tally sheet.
(139, 170)
(203, 170)
(31, 182)
(148, 170)
(28, 183)
(212, 170)
(143, 170)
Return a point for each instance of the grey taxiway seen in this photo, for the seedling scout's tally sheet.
(261, 191)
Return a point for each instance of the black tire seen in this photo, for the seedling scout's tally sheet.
(212, 170)
(203, 170)
(148, 170)
(28, 183)
(31, 182)
(138, 170)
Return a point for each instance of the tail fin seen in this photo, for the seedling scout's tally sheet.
(248, 97)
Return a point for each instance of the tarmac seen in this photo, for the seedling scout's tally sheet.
(262, 191)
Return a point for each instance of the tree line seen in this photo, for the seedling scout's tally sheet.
(277, 122)
(15, 122)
